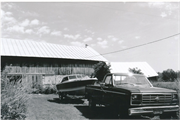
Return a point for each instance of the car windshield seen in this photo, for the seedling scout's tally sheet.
(131, 80)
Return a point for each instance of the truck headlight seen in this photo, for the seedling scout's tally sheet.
(136, 99)
(175, 98)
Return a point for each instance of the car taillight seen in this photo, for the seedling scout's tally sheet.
(136, 99)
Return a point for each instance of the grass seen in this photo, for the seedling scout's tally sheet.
(169, 85)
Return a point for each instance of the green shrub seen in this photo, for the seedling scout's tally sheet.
(13, 100)
(49, 90)
(42, 89)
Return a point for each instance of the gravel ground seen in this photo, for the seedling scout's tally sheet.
(48, 107)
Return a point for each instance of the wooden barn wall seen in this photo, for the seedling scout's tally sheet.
(47, 65)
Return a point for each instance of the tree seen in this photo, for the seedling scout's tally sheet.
(178, 75)
(100, 70)
(169, 75)
(135, 70)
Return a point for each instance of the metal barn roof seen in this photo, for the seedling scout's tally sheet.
(25, 48)
(123, 67)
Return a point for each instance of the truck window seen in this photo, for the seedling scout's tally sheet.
(108, 80)
(118, 79)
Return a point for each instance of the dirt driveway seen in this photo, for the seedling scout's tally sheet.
(48, 107)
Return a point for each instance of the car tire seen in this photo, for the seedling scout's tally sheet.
(92, 104)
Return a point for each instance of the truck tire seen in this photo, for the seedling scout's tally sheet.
(60, 96)
(169, 115)
(92, 104)
(122, 111)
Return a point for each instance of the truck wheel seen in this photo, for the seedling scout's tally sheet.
(169, 115)
(60, 96)
(92, 104)
(122, 113)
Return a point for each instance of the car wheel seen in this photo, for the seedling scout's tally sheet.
(92, 104)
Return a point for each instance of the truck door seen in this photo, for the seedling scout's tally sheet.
(106, 90)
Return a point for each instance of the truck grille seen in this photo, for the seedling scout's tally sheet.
(156, 98)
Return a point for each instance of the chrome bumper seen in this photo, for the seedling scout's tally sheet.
(153, 110)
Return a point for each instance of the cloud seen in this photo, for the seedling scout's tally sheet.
(87, 39)
(164, 5)
(33, 14)
(28, 31)
(80, 44)
(6, 17)
(35, 22)
(6, 5)
(9, 19)
(89, 31)
(156, 4)
(43, 30)
(16, 28)
(2, 13)
(99, 39)
(92, 45)
(124, 47)
(103, 44)
(56, 33)
(74, 37)
(66, 29)
(177, 37)
(8, 13)
(120, 41)
(163, 14)
(25, 23)
(137, 37)
(112, 38)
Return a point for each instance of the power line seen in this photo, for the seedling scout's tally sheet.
(136, 46)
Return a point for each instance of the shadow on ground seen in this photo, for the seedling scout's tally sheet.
(66, 101)
(100, 113)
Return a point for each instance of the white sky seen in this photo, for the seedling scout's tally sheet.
(105, 27)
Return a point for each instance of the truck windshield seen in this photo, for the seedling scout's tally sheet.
(133, 80)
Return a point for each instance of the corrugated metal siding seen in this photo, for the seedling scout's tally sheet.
(14, 47)
(124, 67)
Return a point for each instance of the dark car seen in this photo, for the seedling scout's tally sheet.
(132, 94)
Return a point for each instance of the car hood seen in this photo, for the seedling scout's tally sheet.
(145, 89)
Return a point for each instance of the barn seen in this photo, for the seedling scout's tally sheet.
(145, 68)
(34, 60)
